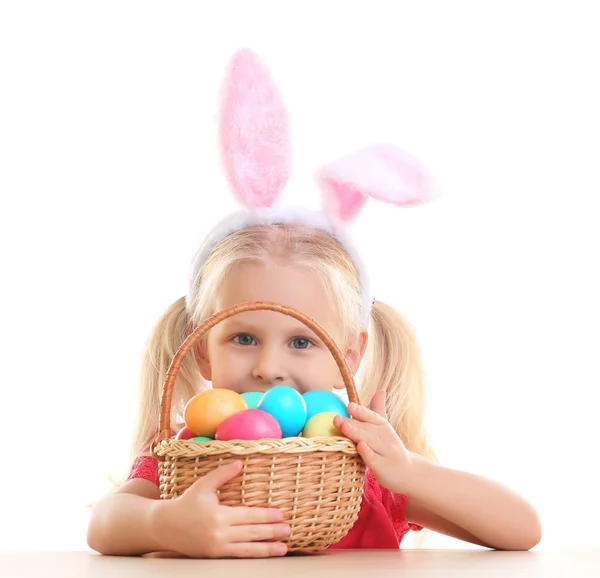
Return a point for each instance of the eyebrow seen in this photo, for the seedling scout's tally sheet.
(242, 326)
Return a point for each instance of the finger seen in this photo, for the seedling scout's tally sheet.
(217, 477)
(378, 404)
(361, 413)
(375, 436)
(366, 453)
(244, 515)
(255, 549)
(353, 429)
(258, 532)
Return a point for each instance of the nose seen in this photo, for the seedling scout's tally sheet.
(269, 367)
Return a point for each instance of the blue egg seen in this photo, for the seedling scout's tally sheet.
(319, 401)
(253, 398)
(287, 406)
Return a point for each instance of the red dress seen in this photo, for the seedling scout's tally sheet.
(381, 522)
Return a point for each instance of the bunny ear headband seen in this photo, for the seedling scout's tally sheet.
(256, 153)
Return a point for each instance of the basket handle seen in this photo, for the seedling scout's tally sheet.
(167, 391)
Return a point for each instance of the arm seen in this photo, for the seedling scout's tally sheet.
(469, 507)
(134, 521)
(448, 501)
(124, 523)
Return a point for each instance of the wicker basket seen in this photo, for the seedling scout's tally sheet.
(317, 483)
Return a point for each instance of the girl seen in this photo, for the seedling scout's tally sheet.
(303, 259)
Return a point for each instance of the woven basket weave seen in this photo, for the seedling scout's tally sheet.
(317, 483)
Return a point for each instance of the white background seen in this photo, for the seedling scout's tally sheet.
(110, 177)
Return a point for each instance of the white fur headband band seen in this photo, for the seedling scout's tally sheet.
(256, 153)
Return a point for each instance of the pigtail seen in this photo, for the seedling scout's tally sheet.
(393, 363)
(165, 339)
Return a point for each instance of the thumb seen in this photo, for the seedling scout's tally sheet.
(219, 476)
(378, 404)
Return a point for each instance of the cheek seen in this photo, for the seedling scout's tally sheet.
(321, 372)
(229, 365)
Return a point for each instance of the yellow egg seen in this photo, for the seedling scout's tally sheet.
(321, 425)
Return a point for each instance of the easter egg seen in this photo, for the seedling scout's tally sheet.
(205, 411)
(287, 406)
(252, 398)
(320, 400)
(252, 424)
(200, 439)
(321, 425)
(185, 433)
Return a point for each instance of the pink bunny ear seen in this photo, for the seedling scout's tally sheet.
(255, 142)
(382, 172)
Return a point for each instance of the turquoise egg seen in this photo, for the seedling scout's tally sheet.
(287, 406)
(201, 439)
(253, 398)
(322, 401)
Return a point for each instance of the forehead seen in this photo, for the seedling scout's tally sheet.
(295, 286)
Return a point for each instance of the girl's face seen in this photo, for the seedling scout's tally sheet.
(256, 350)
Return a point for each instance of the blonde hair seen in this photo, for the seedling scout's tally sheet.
(392, 360)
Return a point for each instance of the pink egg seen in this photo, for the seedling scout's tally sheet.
(250, 424)
(185, 433)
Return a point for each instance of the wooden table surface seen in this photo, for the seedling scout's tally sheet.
(346, 564)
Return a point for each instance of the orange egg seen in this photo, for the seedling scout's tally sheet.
(207, 410)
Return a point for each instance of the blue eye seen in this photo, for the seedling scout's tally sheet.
(301, 343)
(244, 339)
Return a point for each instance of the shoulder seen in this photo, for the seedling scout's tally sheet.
(146, 467)
(394, 505)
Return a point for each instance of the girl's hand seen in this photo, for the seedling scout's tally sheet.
(197, 525)
(377, 442)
